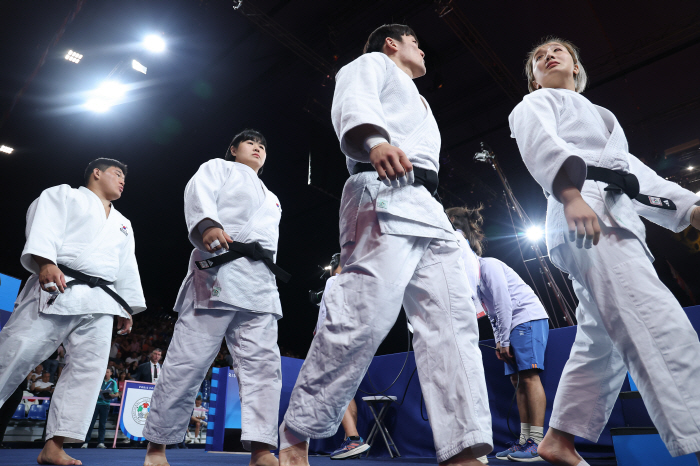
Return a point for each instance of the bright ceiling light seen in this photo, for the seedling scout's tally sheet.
(690, 167)
(138, 66)
(6, 149)
(109, 93)
(154, 43)
(534, 233)
(75, 57)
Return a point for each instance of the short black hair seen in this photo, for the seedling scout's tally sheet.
(245, 135)
(102, 164)
(375, 41)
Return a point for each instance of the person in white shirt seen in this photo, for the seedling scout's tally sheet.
(74, 237)
(627, 318)
(230, 214)
(520, 327)
(397, 247)
(43, 386)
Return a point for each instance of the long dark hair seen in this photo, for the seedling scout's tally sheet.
(469, 221)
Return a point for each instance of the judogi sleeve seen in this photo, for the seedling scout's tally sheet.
(201, 195)
(494, 285)
(128, 283)
(47, 218)
(356, 102)
(653, 185)
(534, 124)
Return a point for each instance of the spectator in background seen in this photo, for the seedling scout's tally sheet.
(198, 419)
(149, 371)
(43, 386)
(8, 409)
(51, 364)
(34, 376)
(121, 381)
(133, 357)
(133, 367)
(114, 350)
(108, 392)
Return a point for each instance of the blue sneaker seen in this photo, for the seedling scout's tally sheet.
(350, 448)
(527, 453)
(515, 446)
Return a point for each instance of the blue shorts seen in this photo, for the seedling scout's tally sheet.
(528, 342)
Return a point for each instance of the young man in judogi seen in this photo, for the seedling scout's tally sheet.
(80, 250)
(627, 318)
(397, 246)
(229, 292)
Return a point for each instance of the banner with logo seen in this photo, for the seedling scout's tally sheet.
(136, 404)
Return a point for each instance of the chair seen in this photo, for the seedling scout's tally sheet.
(19, 412)
(385, 402)
(37, 413)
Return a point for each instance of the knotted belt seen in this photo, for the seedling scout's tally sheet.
(426, 178)
(252, 251)
(628, 184)
(79, 278)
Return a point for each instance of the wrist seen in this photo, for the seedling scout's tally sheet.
(569, 194)
(373, 141)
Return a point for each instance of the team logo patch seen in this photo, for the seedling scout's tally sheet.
(655, 201)
(216, 291)
(140, 410)
(382, 204)
(123, 229)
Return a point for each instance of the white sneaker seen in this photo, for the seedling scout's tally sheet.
(101, 445)
(483, 459)
(84, 445)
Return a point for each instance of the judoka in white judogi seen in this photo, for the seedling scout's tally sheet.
(626, 316)
(69, 226)
(397, 246)
(237, 300)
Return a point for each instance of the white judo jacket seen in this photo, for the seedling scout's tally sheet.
(235, 199)
(69, 226)
(559, 128)
(373, 90)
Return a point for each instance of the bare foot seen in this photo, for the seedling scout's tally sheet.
(53, 453)
(557, 447)
(155, 455)
(263, 458)
(296, 455)
(465, 458)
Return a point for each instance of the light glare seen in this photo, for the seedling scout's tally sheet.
(109, 93)
(534, 233)
(138, 66)
(6, 149)
(74, 57)
(154, 43)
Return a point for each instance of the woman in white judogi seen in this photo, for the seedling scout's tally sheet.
(81, 229)
(397, 247)
(225, 202)
(626, 317)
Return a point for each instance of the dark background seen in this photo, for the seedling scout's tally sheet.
(270, 65)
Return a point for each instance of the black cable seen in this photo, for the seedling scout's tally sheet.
(421, 408)
(369, 378)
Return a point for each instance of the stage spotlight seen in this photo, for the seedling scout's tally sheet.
(154, 43)
(328, 267)
(75, 57)
(6, 149)
(534, 233)
(138, 66)
(107, 95)
(690, 167)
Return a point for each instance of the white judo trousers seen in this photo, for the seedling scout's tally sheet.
(30, 337)
(380, 272)
(252, 340)
(627, 318)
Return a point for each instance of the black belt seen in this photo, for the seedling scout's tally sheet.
(252, 251)
(628, 184)
(79, 278)
(423, 177)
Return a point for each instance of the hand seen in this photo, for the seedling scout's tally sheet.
(124, 325)
(695, 217)
(391, 164)
(212, 234)
(504, 353)
(50, 273)
(582, 221)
